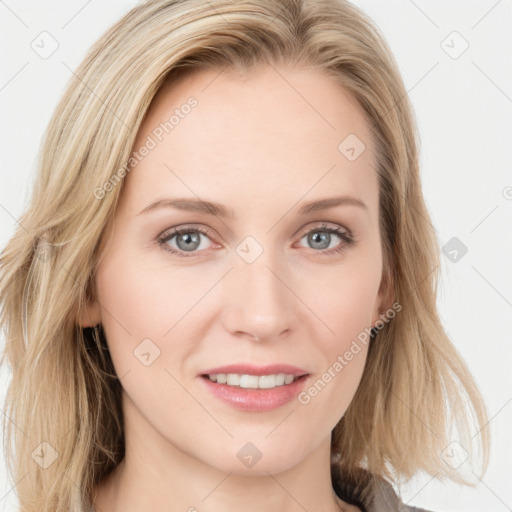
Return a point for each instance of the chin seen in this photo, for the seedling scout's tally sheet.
(258, 457)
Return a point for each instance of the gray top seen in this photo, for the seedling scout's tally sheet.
(371, 494)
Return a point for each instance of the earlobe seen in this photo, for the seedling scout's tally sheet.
(91, 315)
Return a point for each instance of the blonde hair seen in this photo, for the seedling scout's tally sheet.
(64, 391)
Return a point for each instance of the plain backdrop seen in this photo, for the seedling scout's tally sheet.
(455, 57)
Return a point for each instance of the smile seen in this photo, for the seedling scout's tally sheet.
(253, 381)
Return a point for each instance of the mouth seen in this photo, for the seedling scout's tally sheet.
(248, 381)
(252, 389)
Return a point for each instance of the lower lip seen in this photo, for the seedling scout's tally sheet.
(256, 400)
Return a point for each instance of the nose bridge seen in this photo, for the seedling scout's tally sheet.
(260, 304)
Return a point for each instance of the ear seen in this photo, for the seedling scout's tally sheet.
(385, 296)
(90, 315)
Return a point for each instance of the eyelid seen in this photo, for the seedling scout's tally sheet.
(326, 225)
(345, 234)
(186, 227)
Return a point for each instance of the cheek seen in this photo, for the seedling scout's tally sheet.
(133, 310)
(149, 313)
(141, 301)
(139, 307)
(345, 298)
(346, 310)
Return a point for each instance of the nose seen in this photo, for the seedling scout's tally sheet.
(259, 303)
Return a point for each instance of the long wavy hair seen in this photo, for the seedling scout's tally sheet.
(64, 391)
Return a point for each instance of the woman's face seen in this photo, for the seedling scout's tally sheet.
(259, 280)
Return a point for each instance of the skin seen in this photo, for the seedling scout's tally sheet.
(260, 144)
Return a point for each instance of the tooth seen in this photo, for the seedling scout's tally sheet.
(248, 381)
(267, 381)
(233, 379)
(288, 379)
(279, 379)
(252, 381)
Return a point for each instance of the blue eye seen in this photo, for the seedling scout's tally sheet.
(188, 240)
(323, 241)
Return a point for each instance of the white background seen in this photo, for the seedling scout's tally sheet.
(463, 108)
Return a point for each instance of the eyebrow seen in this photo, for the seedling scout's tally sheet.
(219, 210)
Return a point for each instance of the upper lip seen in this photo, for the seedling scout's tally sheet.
(249, 369)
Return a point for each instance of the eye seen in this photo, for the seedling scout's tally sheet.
(188, 239)
(320, 237)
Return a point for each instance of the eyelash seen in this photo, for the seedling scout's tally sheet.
(345, 236)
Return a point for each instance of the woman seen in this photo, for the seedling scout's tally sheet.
(223, 293)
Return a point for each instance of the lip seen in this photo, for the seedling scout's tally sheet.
(251, 399)
(249, 369)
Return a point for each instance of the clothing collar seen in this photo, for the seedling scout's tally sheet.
(369, 492)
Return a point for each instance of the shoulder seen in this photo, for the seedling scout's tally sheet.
(371, 493)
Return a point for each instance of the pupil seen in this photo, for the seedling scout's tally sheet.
(190, 239)
(322, 239)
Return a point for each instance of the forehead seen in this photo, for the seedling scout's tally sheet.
(270, 133)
